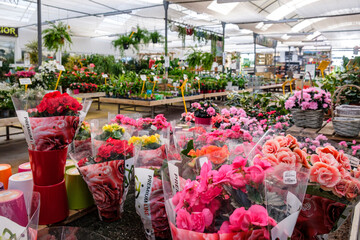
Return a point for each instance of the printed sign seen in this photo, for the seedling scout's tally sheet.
(143, 77)
(105, 76)
(309, 68)
(25, 81)
(264, 41)
(167, 62)
(289, 177)
(60, 67)
(9, 31)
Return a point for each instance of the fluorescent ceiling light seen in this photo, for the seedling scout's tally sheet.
(259, 25)
(304, 24)
(18, 6)
(285, 37)
(224, 8)
(288, 8)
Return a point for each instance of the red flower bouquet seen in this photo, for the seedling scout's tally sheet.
(50, 123)
(105, 175)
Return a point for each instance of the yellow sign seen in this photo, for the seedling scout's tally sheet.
(322, 66)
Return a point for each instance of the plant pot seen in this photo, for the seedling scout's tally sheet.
(76, 91)
(48, 167)
(154, 41)
(203, 121)
(308, 118)
(126, 46)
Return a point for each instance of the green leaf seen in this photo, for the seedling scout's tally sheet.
(189, 147)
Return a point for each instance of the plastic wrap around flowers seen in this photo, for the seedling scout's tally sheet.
(219, 203)
(149, 203)
(51, 121)
(331, 190)
(106, 167)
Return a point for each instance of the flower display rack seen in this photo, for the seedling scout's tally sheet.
(327, 129)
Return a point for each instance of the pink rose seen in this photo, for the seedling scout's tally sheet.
(340, 189)
(282, 141)
(301, 157)
(286, 157)
(258, 215)
(353, 189)
(324, 174)
(271, 158)
(271, 147)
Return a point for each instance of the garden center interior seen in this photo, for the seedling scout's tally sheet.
(180, 119)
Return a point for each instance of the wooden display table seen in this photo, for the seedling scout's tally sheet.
(274, 88)
(327, 130)
(95, 95)
(133, 103)
(8, 123)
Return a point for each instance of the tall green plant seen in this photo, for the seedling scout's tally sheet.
(124, 42)
(32, 48)
(56, 36)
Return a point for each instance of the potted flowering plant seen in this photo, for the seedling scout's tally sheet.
(75, 87)
(104, 169)
(308, 106)
(203, 112)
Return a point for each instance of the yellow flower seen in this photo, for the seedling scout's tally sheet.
(107, 128)
(116, 127)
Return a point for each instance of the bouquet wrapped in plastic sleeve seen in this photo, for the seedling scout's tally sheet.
(149, 202)
(103, 167)
(285, 185)
(15, 222)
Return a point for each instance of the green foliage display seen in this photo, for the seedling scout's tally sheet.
(56, 36)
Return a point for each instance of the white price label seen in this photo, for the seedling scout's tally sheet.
(156, 78)
(152, 73)
(197, 78)
(25, 81)
(143, 77)
(289, 177)
(60, 67)
(105, 76)
(167, 62)
(153, 128)
(217, 77)
(185, 77)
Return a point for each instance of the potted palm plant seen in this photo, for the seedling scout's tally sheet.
(56, 36)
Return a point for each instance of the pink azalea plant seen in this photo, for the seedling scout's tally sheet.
(205, 109)
(309, 99)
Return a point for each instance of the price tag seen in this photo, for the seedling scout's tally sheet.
(167, 62)
(60, 67)
(217, 77)
(289, 177)
(105, 76)
(153, 74)
(185, 77)
(197, 78)
(153, 128)
(156, 78)
(25, 81)
(143, 77)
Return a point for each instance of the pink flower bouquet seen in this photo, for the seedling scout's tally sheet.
(104, 169)
(225, 203)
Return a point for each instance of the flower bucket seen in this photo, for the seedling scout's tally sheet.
(202, 121)
(76, 91)
(48, 167)
(106, 183)
(29, 232)
(308, 118)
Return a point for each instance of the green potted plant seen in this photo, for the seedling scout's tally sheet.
(32, 48)
(124, 42)
(194, 58)
(141, 36)
(207, 60)
(156, 37)
(56, 36)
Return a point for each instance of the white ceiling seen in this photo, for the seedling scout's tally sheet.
(302, 20)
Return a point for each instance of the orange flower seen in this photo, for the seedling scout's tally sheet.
(216, 155)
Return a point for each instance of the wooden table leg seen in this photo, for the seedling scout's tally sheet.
(152, 112)
(98, 104)
(7, 132)
(118, 108)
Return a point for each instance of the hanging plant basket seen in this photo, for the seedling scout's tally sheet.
(308, 118)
